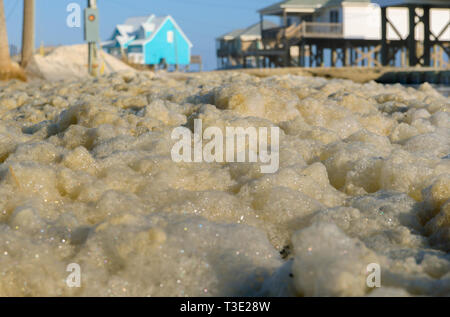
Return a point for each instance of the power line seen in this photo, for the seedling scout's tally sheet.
(14, 7)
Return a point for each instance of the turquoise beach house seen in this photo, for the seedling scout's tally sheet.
(150, 40)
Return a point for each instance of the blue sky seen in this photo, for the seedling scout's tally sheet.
(201, 20)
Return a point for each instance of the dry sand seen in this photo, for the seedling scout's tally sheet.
(70, 62)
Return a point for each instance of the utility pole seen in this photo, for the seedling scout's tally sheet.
(92, 34)
(5, 61)
(7, 69)
(28, 32)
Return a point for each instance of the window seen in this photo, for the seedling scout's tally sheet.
(135, 49)
(307, 18)
(334, 16)
(170, 37)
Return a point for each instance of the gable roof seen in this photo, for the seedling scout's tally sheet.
(159, 23)
(124, 34)
(124, 29)
(299, 6)
(338, 2)
(253, 31)
(304, 6)
(128, 29)
(432, 3)
(136, 22)
(347, 3)
(231, 35)
(148, 27)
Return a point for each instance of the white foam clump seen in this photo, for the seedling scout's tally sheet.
(86, 177)
(328, 262)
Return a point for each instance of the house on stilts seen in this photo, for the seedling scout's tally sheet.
(233, 47)
(314, 33)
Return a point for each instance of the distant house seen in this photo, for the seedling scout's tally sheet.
(349, 19)
(234, 48)
(351, 31)
(150, 40)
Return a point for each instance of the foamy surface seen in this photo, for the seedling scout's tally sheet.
(86, 177)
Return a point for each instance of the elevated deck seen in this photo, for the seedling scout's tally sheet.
(304, 45)
(305, 29)
(280, 36)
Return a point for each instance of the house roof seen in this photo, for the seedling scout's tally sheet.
(432, 3)
(128, 30)
(298, 6)
(133, 24)
(231, 35)
(124, 30)
(136, 22)
(159, 22)
(304, 6)
(343, 2)
(253, 30)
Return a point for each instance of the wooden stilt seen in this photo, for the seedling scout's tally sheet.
(384, 47)
(412, 37)
(427, 35)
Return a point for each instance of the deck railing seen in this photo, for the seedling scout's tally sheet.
(273, 33)
(320, 29)
(304, 29)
